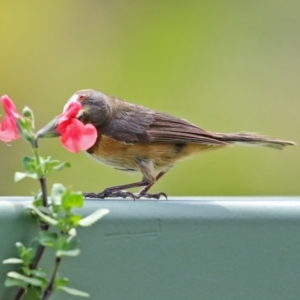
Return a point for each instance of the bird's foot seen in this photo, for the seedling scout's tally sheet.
(150, 196)
(107, 193)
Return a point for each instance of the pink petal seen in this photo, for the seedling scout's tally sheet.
(71, 112)
(88, 137)
(70, 139)
(8, 130)
(78, 136)
(8, 106)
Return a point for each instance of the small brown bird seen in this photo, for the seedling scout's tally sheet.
(134, 138)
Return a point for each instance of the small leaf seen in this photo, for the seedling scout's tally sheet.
(56, 193)
(49, 239)
(72, 232)
(61, 282)
(72, 199)
(93, 217)
(45, 218)
(29, 164)
(9, 282)
(73, 292)
(28, 280)
(71, 253)
(44, 160)
(61, 166)
(12, 261)
(33, 293)
(34, 244)
(70, 244)
(38, 202)
(21, 175)
(45, 210)
(21, 248)
(75, 219)
(39, 273)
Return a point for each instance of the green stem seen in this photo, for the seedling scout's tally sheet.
(43, 225)
(38, 162)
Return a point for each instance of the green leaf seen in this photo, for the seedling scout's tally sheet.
(34, 245)
(44, 160)
(39, 273)
(33, 293)
(72, 199)
(12, 261)
(73, 292)
(45, 218)
(21, 175)
(66, 243)
(28, 280)
(45, 210)
(49, 239)
(61, 166)
(38, 202)
(71, 253)
(9, 282)
(93, 217)
(75, 219)
(61, 282)
(56, 193)
(72, 232)
(21, 248)
(29, 164)
(38, 199)
(27, 255)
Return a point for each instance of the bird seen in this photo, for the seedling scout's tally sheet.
(134, 138)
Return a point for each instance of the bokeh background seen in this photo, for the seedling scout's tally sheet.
(224, 65)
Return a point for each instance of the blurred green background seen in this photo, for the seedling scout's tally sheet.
(224, 65)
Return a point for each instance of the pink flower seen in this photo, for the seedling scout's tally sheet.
(8, 127)
(75, 135)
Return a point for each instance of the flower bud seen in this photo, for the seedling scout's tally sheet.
(28, 114)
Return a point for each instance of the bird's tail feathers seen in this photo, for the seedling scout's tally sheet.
(253, 139)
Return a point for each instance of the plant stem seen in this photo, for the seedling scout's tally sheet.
(43, 225)
(44, 191)
(49, 288)
(38, 161)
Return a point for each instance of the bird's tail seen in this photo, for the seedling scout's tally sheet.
(252, 139)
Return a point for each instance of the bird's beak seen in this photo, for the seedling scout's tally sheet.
(48, 131)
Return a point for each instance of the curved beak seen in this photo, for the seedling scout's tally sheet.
(48, 131)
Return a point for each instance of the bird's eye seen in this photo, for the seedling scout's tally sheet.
(81, 97)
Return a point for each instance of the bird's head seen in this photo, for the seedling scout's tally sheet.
(95, 110)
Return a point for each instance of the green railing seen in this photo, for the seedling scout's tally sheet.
(212, 248)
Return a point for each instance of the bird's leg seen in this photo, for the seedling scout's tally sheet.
(143, 192)
(117, 191)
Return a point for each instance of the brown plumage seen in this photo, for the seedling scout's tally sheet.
(136, 138)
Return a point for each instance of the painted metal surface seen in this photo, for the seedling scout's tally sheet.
(229, 248)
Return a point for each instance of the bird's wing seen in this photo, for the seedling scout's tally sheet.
(133, 124)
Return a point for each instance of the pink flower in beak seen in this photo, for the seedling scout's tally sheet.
(74, 135)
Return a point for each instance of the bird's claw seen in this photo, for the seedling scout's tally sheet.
(151, 196)
(110, 194)
(123, 194)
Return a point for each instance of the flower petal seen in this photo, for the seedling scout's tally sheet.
(8, 130)
(8, 106)
(88, 137)
(70, 138)
(71, 112)
(78, 136)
